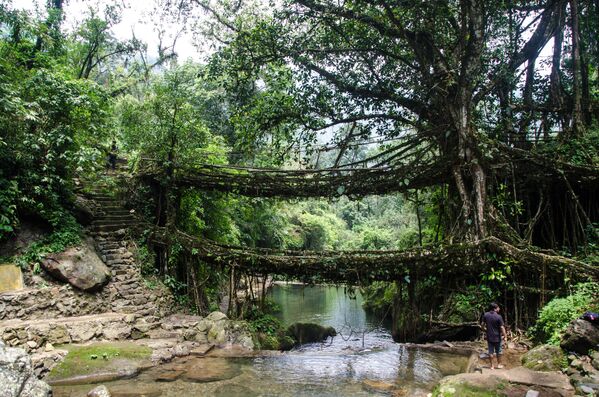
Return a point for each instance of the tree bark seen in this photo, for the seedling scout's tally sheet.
(577, 122)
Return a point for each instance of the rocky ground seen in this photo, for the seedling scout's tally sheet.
(571, 369)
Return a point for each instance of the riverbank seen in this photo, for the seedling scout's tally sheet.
(179, 367)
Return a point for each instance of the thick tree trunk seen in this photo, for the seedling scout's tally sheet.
(577, 122)
(469, 175)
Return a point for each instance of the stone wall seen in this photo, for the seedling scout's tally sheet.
(50, 302)
(47, 298)
(36, 335)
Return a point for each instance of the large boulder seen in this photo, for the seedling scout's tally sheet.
(545, 358)
(79, 266)
(84, 210)
(309, 332)
(580, 337)
(17, 378)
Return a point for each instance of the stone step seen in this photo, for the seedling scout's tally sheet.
(99, 196)
(114, 221)
(114, 251)
(112, 257)
(112, 228)
(111, 207)
(109, 247)
(120, 264)
(115, 212)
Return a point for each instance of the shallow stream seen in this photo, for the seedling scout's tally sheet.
(361, 361)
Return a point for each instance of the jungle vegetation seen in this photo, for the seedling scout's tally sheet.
(487, 111)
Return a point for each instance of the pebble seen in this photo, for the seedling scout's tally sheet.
(587, 390)
(100, 391)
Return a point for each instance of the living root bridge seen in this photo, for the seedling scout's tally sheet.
(330, 182)
(462, 260)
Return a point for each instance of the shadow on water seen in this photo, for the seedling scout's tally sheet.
(362, 361)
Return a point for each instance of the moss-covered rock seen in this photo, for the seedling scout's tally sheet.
(545, 358)
(456, 386)
(309, 332)
(280, 341)
(98, 358)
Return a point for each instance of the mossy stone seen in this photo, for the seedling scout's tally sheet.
(545, 358)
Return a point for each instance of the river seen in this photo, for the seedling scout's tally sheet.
(362, 360)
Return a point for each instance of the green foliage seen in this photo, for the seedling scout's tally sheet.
(146, 259)
(379, 296)
(580, 150)
(469, 304)
(268, 330)
(48, 120)
(69, 234)
(8, 208)
(559, 312)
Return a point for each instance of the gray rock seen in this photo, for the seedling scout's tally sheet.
(181, 351)
(580, 337)
(83, 332)
(58, 335)
(532, 393)
(217, 334)
(595, 359)
(586, 389)
(100, 391)
(84, 210)
(216, 316)
(17, 377)
(79, 266)
(116, 331)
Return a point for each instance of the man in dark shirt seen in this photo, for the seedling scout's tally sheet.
(495, 330)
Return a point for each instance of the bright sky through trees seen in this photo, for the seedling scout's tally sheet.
(137, 17)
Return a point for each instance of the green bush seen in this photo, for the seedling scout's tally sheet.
(67, 236)
(559, 312)
(468, 304)
(378, 297)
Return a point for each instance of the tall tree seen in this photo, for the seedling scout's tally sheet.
(427, 73)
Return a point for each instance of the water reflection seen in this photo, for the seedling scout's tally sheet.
(363, 354)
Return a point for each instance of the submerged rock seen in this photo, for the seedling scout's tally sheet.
(100, 391)
(134, 390)
(234, 391)
(210, 370)
(544, 358)
(79, 266)
(580, 337)
(17, 378)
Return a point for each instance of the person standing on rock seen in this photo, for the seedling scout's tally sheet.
(492, 322)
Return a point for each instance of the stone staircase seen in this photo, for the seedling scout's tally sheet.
(126, 293)
(127, 289)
